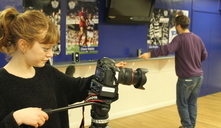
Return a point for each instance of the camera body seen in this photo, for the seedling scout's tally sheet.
(108, 77)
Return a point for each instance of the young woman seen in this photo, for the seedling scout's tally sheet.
(27, 84)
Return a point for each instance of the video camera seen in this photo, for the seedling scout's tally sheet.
(108, 77)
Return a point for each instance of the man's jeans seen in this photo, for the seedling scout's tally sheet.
(187, 94)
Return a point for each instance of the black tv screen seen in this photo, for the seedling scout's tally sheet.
(129, 11)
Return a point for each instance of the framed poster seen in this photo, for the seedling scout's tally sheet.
(158, 29)
(82, 27)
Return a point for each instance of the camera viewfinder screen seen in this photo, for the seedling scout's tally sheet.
(98, 72)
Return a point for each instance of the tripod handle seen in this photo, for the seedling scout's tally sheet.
(48, 111)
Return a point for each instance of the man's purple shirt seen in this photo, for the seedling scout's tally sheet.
(189, 53)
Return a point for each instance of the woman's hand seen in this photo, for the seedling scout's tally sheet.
(30, 116)
(121, 64)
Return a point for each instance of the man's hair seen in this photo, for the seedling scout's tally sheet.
(183, 21)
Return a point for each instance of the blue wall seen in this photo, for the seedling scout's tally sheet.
(206, 21)
(121, 41)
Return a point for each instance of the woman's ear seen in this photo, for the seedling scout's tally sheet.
(23, 45)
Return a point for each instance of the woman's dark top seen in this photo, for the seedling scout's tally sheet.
(49, 88)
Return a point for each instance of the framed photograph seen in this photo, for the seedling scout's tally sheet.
(82, 27)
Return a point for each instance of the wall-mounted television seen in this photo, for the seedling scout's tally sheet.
(129, 11)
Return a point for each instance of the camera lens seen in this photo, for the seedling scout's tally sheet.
(136, 77)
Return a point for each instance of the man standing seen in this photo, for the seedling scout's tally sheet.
(189, 54)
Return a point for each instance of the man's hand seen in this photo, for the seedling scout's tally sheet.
(145, 56)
